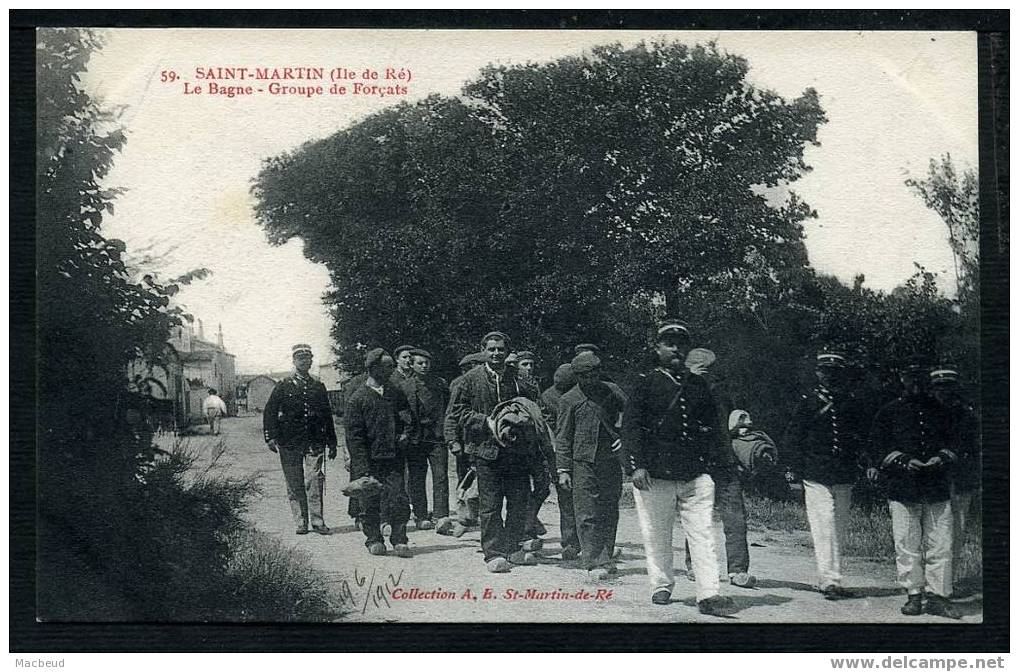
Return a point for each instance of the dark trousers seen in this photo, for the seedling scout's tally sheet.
(393, 501)
(419, 458)
(567, 518)
(541, 488)
(597, 487)
(500, 482)
(730, 508)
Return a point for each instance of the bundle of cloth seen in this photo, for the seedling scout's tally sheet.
(755, 451)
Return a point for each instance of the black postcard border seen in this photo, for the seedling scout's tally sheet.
(28, 635)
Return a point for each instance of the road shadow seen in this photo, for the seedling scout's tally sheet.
(791, 585)
(437, 548)
(973, 606)
(874, 591)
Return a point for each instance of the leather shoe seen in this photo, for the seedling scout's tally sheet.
(570, 553)
(322, 529)
(498, 565)
(661, 597)
(523, 558)
(743, 580)
(532, 545)
(834, 592)
(913, 605)
(716, 605)
(939, 606)
(402, 551)
(377, 548)
(302, 530)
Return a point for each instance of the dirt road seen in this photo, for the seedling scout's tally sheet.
(453, 586)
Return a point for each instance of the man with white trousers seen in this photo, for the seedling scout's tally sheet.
(669, 430)
(825, 444)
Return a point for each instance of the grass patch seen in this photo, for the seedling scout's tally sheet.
(269, 581)
(869, 534)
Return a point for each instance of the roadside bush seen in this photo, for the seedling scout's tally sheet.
(171, 547)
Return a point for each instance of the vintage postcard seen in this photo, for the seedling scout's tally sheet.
(508, 326)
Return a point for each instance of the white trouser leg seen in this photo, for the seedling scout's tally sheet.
(696, 503)
(656, 513)
(907, 531)
(937, 547)
(828, 516)
(961, 503)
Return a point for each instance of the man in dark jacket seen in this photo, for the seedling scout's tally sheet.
(670, 428)
(563, 381)
(427, 449)
(587, 461)
(826, 447)
(376, 437)
(911, 440)
(964, 438)
(298, 424)
(503, 472)
(729, 505)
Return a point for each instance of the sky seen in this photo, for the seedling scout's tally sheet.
(894, 100)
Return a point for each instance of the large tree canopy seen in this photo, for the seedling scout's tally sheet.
(561, 201)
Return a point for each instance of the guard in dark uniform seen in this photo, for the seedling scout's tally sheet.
(911, 440)
(670, 427)
(298, 424)
(826, 448)
(964, 436)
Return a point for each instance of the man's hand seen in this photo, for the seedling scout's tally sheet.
(332, 452)
(872, 474)
(790, 477)
(455, 447)
(565, 480)
(935, 461)
(274, 445)
(915, 465)
(641, 479)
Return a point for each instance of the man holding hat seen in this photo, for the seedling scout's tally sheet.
(503, 472)
(298, 424)
(587, 444)
(825, 444)
(910, 439)
(964, 438)
(670, 428)
(376, 438)
(427, 409)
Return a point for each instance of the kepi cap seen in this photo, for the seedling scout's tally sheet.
(300, 349)
(674, 327)
(830, 360)
(944, 376)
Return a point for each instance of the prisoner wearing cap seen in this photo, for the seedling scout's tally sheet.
(402, 348)
(586, 347)
(374, 357)
(494, 336)
(526, 355)
(421, 352)
(585, 362)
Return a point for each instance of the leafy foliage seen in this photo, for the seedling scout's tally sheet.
(559, 202)
(123, 533)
